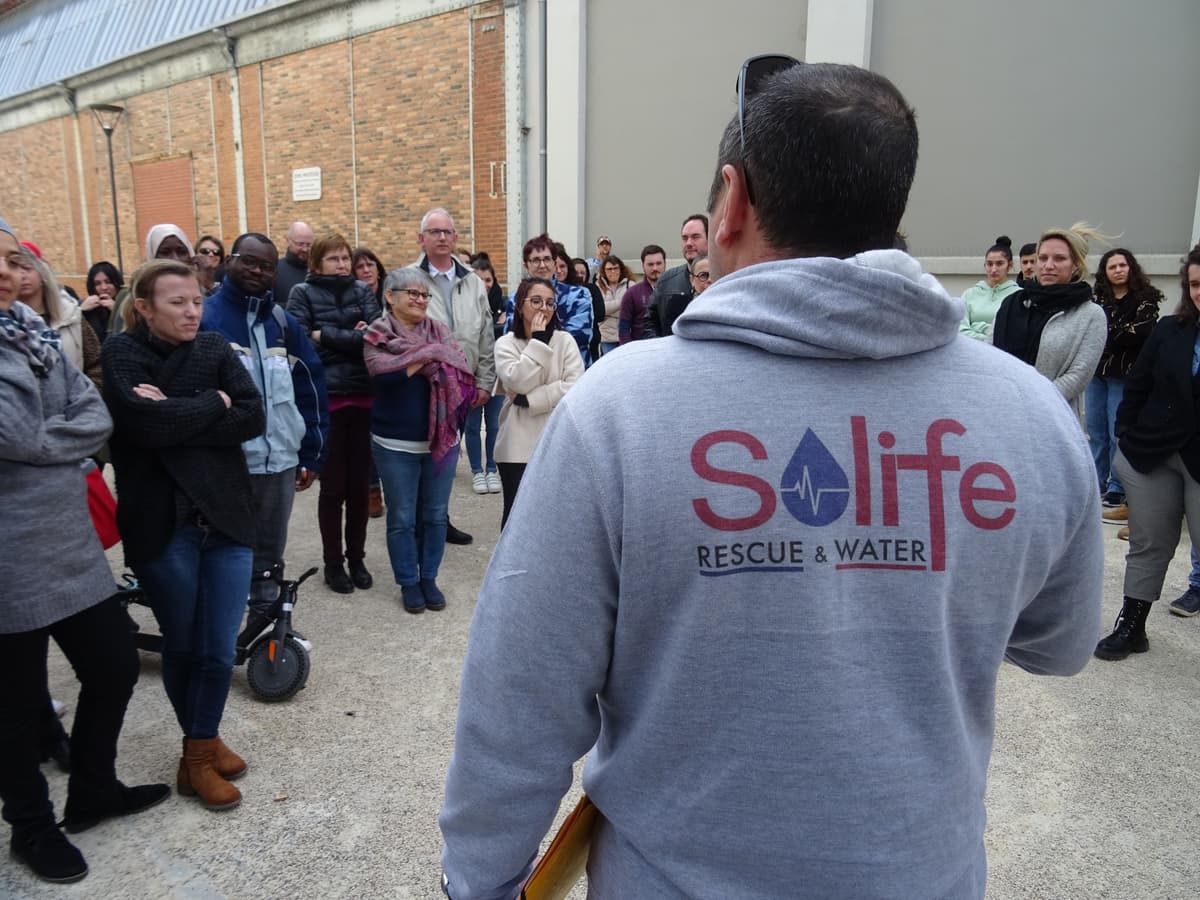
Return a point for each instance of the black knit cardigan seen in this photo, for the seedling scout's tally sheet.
(189, 443)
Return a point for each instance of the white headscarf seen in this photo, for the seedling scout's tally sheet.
(160, 233)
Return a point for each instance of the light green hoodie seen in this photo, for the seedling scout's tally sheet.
(983, 302)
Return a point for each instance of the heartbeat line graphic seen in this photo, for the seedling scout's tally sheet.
(803, 489)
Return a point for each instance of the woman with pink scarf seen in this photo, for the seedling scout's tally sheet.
(423, 392)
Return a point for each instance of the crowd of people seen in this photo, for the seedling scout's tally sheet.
(219, 385)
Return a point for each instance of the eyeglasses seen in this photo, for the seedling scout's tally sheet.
(702, 276)
(439, 232)
(539, 303)
(255, 264)
(208, 251)
(413, 294)
(753, 73)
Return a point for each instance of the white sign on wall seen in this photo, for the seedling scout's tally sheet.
(306, 183)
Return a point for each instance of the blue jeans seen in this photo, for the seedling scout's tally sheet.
(1194, 575)
(489, 415)
(606, 347)
(198, 590)
(405, 477)
(1100, 401)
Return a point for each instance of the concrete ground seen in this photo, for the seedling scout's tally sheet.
(1092, 793)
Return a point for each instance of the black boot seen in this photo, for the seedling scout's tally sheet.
(338, 580)
(1129, 632)
(51, 856)
(359, 575)
(84, 813)
(454, 536)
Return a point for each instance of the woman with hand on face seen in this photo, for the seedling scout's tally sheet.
(57, 584)
(105, 288)
(210, 258)
(984, 298)
(536, 363)
(335, 309)
(1158, 433)
(182, 404)
(1052, 324)
(423, 390)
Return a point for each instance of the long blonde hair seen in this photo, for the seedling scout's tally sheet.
(1076, 238)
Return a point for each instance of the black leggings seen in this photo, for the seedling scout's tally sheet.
(98, 642)
(510, 480)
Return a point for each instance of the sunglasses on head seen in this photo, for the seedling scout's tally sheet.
(753, 73)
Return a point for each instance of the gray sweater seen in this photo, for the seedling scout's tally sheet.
(795, 572)
(1070, 349)
(51, 562)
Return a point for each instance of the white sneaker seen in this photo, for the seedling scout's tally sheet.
(479, 483)
(493, 483)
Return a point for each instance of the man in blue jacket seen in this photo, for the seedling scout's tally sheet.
(284, 365)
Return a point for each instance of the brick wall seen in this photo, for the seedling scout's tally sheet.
(405, 147)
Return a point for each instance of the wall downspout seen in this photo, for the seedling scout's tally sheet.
(83, 207)
(229, 46)
(543, 116)
(516, 137)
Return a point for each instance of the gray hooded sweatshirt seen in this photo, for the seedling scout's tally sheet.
(789, 587)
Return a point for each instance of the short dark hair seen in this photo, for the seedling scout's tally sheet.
(559, 251)
(832, 150)
(1028, 250)
(1187, 309)
(110, 272)
(650, 250)
(326, 243)
(251, 235)
(519, 328)
(696, 217)
(542, 241)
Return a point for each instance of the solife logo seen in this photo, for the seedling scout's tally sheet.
(817, 491)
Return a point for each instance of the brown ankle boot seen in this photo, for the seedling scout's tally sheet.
(199, 776)
(228, 764)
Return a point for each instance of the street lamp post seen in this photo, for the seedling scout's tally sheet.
(108, 116)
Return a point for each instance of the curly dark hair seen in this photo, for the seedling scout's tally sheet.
(1139, 284)
(1187, 311)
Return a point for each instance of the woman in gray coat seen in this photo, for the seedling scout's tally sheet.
(1052, 323)
(57, 584)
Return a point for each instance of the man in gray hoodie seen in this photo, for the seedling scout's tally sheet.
(790, 590)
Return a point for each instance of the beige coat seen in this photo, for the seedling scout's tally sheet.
(610, 327)
(543, 373)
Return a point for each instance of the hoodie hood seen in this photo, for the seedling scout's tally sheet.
(875, 305)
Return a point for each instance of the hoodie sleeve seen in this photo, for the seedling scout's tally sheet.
(312, 400)
(1056, 631)
(536, 658)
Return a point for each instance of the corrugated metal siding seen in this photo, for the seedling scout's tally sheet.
(45, 42)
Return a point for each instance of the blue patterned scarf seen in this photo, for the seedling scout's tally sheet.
(26, 332)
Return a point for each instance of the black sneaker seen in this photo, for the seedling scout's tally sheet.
(1188, 604)
(80, 816)
(434, 598)
(50, 855)
(338, 580)
(454, 536)
(413, 598)
(1112, 499)
(360, 576)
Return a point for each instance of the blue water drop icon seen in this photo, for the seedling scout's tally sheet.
(814, 487)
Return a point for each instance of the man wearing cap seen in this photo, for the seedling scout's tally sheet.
(603, 248)
(777, 633)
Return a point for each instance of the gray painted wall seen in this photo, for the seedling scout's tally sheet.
(660, 91)
(1038, 114)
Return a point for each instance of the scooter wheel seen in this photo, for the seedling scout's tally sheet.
(290, 673)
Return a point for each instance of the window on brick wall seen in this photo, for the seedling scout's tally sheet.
(163, 191)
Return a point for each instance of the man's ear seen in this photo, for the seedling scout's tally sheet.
(732, 210)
